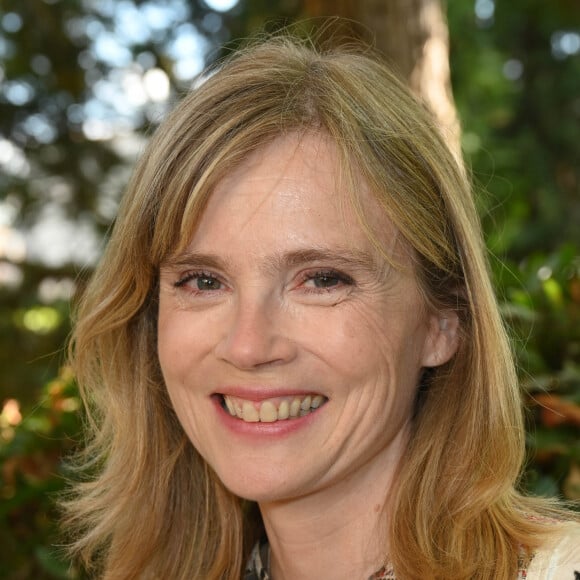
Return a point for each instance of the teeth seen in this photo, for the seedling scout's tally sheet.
(317, 401)
(284, 410)
(230, 406)
(269, 411)
(250, 413)
(294, 408)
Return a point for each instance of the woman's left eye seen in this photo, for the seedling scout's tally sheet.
(327, 280)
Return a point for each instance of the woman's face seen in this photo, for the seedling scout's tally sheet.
(291, 350)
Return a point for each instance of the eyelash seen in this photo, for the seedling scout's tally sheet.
(328, 274)
(186, 278)
(342, 279)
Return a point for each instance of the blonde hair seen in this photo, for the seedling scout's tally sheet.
(151, 506)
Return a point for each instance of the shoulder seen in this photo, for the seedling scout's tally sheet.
(559, 559)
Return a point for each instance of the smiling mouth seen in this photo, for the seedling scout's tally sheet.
(271, 410)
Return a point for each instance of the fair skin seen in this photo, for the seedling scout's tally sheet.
(281, 302)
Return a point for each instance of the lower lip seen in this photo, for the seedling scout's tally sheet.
(279, 428)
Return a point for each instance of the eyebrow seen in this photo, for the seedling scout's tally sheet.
(338, 257)
(187, 258)
(342, 257)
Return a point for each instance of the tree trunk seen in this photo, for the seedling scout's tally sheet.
(414, 38)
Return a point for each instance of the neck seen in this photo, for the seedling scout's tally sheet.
(337, 532)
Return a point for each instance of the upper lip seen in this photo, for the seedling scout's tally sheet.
(260, 393)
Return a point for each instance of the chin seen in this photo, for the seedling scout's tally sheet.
(261, 487)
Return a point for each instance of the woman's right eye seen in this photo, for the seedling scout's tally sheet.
(208, 283)
(200, 282)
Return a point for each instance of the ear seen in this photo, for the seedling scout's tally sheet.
(442, 338)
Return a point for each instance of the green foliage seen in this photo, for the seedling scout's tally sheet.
(517, 93)
(541, 302)
(31, 450)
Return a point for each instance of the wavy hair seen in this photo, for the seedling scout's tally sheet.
(149, 505)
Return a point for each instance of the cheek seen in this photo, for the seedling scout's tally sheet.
(371, 338)
(176, 354)
(337, 338)
(168, 346)
(182, 338)
(178, 364)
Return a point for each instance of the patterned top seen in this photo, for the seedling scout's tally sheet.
(561, 561)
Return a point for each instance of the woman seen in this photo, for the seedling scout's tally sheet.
(291, 352)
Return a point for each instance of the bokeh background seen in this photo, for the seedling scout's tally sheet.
(84, 82)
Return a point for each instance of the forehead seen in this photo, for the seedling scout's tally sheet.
(295, 189)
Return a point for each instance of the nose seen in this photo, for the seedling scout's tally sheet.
(256, 335)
